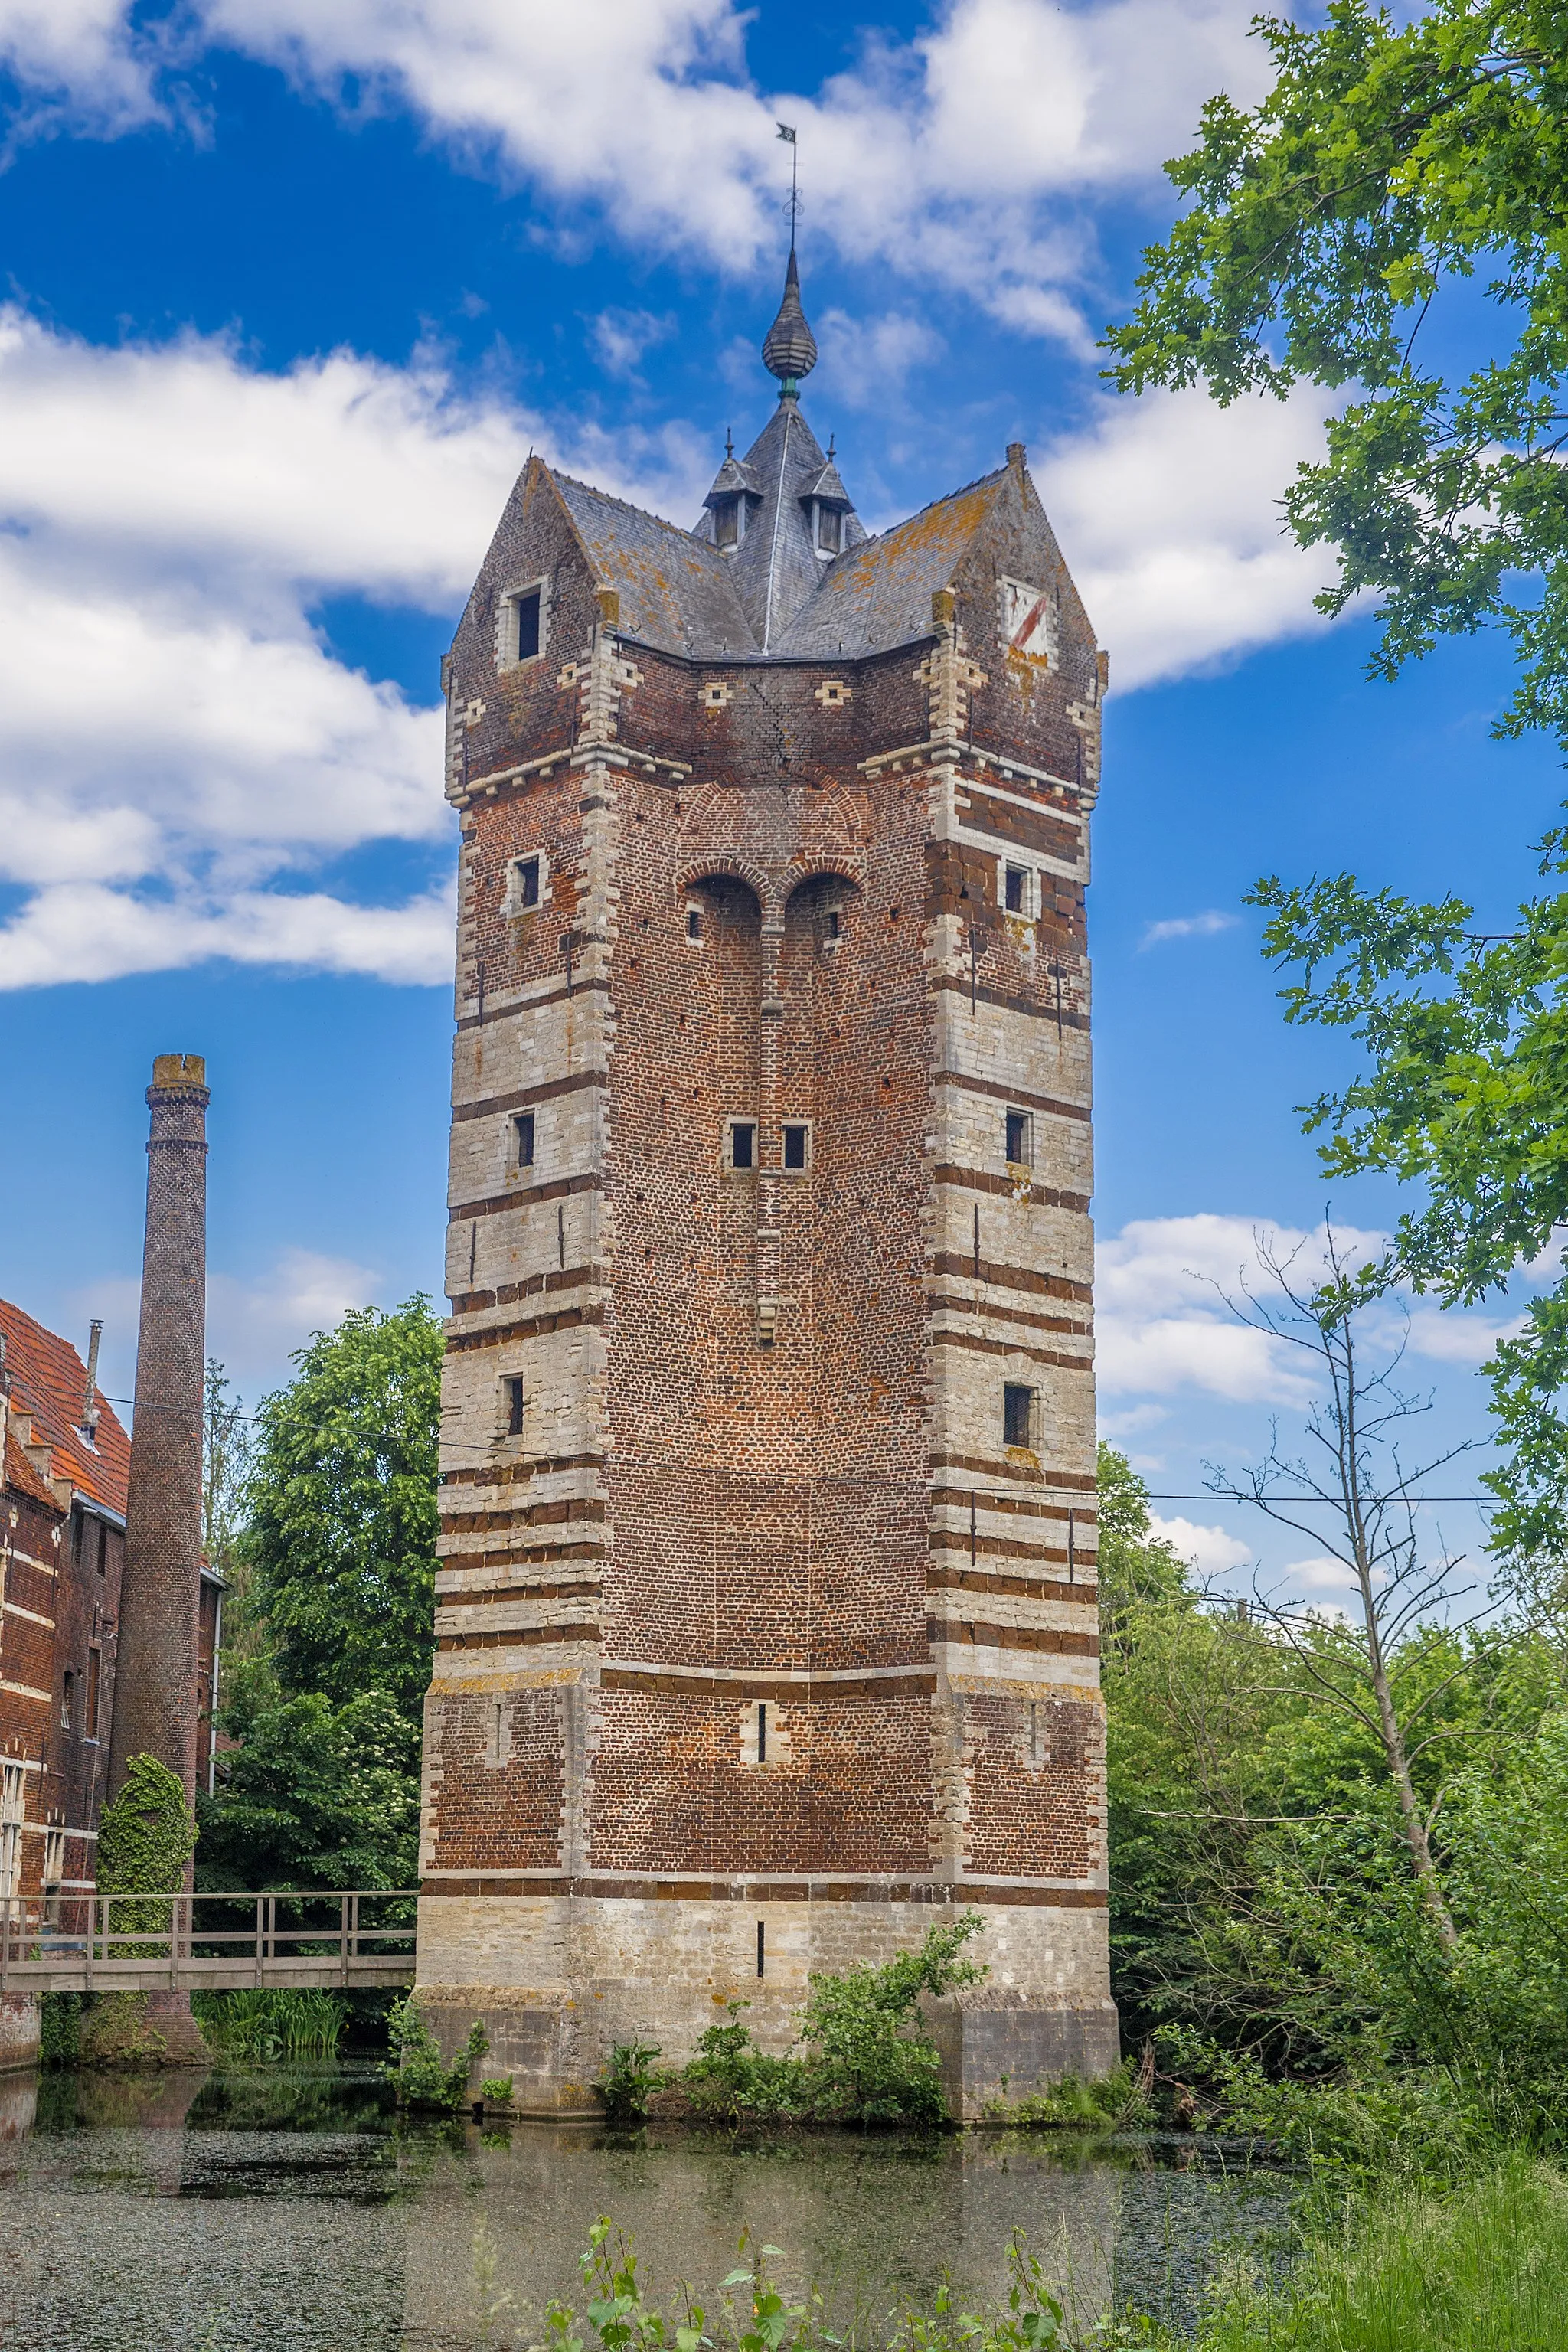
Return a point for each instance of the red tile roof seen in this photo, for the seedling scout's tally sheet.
(48, 1384)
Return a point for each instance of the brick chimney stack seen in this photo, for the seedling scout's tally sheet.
(154, 1699)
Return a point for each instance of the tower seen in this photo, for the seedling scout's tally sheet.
(766, 1617)
(155, 1704)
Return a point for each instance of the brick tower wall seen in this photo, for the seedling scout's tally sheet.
(760, 1463)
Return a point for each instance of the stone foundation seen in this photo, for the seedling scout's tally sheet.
(18, 2029)
(558, 1981)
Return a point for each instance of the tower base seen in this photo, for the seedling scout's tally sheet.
(558, 1981)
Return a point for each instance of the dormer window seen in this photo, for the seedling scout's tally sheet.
(729, 522)
(829, 530)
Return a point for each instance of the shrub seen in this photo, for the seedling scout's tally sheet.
(630, 2080)
(869, 2061)
(416, 2066)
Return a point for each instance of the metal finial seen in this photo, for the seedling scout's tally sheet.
(729, 441)
(789, 347)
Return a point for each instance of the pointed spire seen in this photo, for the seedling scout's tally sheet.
(789, 347)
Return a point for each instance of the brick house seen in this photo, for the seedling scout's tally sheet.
(767, 1621)
(64, 1469)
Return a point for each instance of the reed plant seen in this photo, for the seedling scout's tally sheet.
(268, 2025)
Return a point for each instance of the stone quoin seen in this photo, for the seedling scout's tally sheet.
(767, 1628)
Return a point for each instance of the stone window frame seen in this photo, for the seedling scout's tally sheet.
(807, 1127)
(512, 903)
(1030, 1441)
(746, 1167)
(522, 1128)
(694, 939)
(1029, 911)
(1026, 1134)
(512, 1406)
(507, 604)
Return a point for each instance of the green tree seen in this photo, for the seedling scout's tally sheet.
(1334, 233)
(343, 1509)
(314, 1794)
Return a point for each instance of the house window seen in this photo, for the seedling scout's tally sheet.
(526, 884)
(522, 1131)
(1018, 1414)
(512, 1405)
(796, 1144)
(68, 1692)
(829, 530)
(727, 523)
(10, 1859)
(742, 1150)
(1015, 895)
(94, 1682)
(525, 623)
(694, 926)
(1020, 1138)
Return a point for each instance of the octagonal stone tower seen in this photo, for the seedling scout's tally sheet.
(767, 1621)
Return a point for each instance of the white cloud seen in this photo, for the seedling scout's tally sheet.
(622, 339)
(179, 751)
(866, 362)
(1170, 508)
(948, 155)
(83, 60)
(1315, 1575)
(1450, 1336)
(1162, 1325)
(1189, 927)
(1213, 1552)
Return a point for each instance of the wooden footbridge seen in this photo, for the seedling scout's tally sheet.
(205, 1942)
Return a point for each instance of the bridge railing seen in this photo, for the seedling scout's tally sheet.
(351, 1935)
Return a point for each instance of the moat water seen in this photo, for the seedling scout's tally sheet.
(291, 2211)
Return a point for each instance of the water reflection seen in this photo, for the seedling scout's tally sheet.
(292, 2209)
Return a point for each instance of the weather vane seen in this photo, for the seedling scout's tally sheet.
(787, 133)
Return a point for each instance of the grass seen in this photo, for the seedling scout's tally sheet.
(271, 2025)
(1484, 2269)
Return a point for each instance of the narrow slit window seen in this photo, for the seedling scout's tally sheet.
(1020, 1138)
(102, 1546)
(525, 882)
(1018, 1414)
(742, 1143)
(694, 926)
(1015, 890)
(526, 608)
(522, 1130)
(796, 1144)
(762, 1948)
(833, 925)
(513, 1402)
(94, 1671)
(761, 1731)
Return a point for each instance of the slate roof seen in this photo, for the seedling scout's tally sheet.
(877, 595)
(676, 590)
(48, 1385)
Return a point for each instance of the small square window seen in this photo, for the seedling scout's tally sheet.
(833, 923)
(742, 1151)
(526, 608)
(694, 925)
(1018, 1414)
(1020, 1138)
(525, 882)
(512, 1405)
(796, 1143)
(522, 1130)
(1015, 890)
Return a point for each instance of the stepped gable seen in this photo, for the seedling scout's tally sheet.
(48, 1386)
(676, 590)
(878, 593)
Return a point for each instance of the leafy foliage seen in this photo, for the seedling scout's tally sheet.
(421, 2074)
(145, 1841)
(869, 2058)
(264, 2024)
(630, 2080)
(315, 1794)
(343, 1509)
(1328, 235)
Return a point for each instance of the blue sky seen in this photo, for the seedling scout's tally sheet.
(292, 286)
